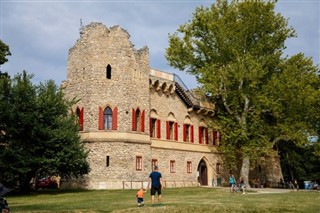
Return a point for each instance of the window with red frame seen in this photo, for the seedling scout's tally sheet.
(189, 167)
(80, 118)
(186, 132)
(138, 118)
(138, 163)
(203, 135)
(153, 122)
(172, 130)
(172, 166)
(214, 137)
(108, 118)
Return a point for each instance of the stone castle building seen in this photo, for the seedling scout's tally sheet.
(132, 117)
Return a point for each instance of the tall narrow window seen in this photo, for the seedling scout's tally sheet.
(108, 72)
(80, 118)
(138, 163)
(172, 166)
(218, 168)
(153, 127)
(107, 115)
(170, 130)
(154, 162)
(107, 161)
(214, 137)
(189, 167)
(186, 132)
(158, 128)
(203, 135)
(138, 120)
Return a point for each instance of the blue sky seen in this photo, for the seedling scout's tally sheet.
(40, 33)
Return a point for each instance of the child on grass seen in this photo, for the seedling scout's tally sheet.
(139, 196)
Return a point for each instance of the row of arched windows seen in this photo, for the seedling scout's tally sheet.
(108, 120)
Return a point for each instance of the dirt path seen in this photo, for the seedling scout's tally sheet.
(270, 190)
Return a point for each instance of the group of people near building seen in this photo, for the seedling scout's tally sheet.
(155, 185)
(236, 186)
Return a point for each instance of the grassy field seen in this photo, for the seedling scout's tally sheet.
(188, 200)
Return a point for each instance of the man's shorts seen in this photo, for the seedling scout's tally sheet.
(140, 200)
(156, 189)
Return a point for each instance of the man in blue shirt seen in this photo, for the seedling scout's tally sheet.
(156, 184)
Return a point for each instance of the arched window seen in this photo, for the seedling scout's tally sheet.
(108, 72)
(171, 127)
(107, 115)
(138, 120)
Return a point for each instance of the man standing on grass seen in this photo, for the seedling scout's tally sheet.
(156, 184)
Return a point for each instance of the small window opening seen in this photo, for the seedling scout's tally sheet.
(189, 167)
(138, 163)
(107, 161)
(108, 71)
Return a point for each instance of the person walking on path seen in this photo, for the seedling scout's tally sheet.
(155, 179)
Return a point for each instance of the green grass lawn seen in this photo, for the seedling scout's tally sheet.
(189, 200)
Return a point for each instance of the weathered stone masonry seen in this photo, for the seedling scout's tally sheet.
(152, 118)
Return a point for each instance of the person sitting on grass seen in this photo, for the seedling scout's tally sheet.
(139, 196)
(242, 185)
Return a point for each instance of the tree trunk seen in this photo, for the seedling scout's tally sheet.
(244, 172)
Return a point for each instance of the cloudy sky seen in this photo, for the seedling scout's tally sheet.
(40, 32)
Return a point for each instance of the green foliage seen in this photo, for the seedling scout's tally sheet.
(235, 49)
(4, 52)
(38, 135)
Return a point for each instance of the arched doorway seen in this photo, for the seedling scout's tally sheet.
(203, 173)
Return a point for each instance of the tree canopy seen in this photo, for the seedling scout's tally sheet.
(236, 51)
(4, 52)
(38, 135)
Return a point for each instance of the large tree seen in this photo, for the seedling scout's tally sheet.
(235, 50)
(38, 136)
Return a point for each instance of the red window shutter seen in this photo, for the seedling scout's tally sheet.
(81, 120)
(134, 125)
(207, 136)
(101, 119)
(184, 132)
(158, 129)
(150, 126)
(115, 118)
(200, 135)
(214, 137)
(220, 138)
(192, 134)
(176, 131)
(167, 130)
(142, 121)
